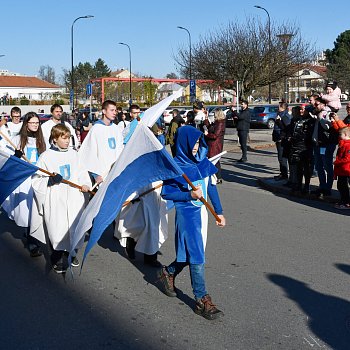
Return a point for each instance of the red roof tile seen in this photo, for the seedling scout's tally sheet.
(17, 81)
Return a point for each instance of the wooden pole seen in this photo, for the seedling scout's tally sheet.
(72, 184)
(143, 194)
(209, 207)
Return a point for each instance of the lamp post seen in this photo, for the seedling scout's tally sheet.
(190, 63)
(130, 93)
(2, 55)
(269, 39)
(285, 39)
(72, 54)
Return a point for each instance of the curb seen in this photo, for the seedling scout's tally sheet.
(264, 183)
(250, 147)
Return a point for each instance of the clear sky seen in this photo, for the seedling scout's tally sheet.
(37, 32)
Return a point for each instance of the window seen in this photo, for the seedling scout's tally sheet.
(308, 84)
(306, 72)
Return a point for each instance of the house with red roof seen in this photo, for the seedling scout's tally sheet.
(31, 88)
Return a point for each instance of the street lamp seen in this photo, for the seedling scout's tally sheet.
(189, 37)
(285, 39)
(269, 38)
(2, 55)
(72, 53)
(130, 94)
(190, 65)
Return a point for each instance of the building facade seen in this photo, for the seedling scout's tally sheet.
(305, 82)
(31, 88)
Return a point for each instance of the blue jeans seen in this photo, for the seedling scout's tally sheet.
(197, 276)
(324, 165)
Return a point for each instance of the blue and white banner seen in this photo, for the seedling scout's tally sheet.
(217, 157)
(13, 171)
(151, 115)
(143, 160)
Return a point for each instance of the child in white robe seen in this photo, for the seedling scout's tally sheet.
(58, 205)
(103, 144)
(30, 143)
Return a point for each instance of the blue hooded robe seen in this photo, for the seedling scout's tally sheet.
(191, 220)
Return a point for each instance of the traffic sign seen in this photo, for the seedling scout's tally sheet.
(192, 90)
(88, 89)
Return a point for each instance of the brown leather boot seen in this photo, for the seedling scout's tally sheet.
(167, 282)
(205, 307)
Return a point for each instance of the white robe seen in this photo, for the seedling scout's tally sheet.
(18, 205)
(10, 130)
(101, 148)
(46, 129)
(58, 207)
(145, 221)
(122, 126)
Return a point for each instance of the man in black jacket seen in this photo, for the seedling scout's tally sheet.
(325, 140)
(300, 133)
(279, 137)
(243, 125)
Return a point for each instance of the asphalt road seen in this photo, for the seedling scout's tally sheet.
(279, 270)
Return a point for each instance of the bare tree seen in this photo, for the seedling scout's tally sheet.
(243, 51)
(47, 73)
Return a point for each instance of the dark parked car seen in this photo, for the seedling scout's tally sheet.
(264, 115)
(230, 120)
(44, 117)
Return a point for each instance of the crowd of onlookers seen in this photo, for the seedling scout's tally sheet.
(306, 141)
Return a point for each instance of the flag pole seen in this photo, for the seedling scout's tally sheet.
(42, 170)
(202, 199)
(142, 194)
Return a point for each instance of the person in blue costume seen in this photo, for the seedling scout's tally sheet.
(191, 221)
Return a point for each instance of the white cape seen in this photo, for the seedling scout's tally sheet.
(101, 148)
(146, 221)
(46, 129)
(58, 208)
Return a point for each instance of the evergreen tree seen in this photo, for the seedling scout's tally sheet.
(338, 61)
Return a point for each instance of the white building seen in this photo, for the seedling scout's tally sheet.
(306, 81)
(166, 89)
(31, 88)
(122, 73)
(7, 72)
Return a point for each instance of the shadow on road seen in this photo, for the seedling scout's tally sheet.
(41, 311)
(312, 202)
(149, 273)
(328, 316)
(243, 173)
(343, 267)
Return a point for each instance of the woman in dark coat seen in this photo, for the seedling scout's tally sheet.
(215, 139)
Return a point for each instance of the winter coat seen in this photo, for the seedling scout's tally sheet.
(342, 160)
(324, 134)
(215, 137)
(243, 120)
(341, 123)
(280, 128)
(300, 134)
(333, 99)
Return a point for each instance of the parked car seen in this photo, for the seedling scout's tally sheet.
(168, 114)
(44, 117)
(211, 112)
(264, 115)
(230, 120)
